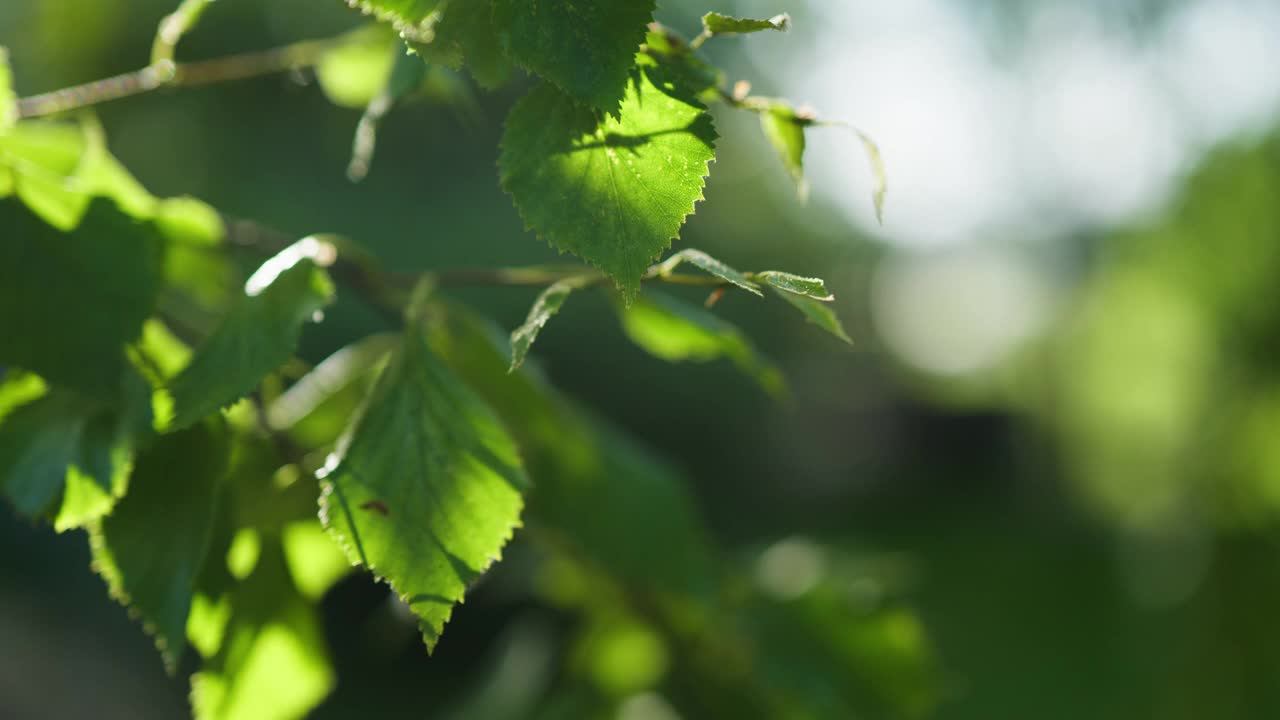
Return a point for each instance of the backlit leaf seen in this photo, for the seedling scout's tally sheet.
(716, 24)
(425, 489)
(337, 373)
(354, 70)
(584, 47)
(712, 266)
(816, 312)
(8, 99)
(57, 168)
(677, 332)
(544, 307)
(270, 662)
(612, 191)
(784, 128)
(257, 336)
(615, 503)
(315, 561)
(151, 547)
(809, 287)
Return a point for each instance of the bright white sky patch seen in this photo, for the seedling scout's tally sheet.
(1078, 122)
(1089, 121)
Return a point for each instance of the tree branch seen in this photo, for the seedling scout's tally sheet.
(168, 74)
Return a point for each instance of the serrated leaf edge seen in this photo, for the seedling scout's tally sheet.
(629, 294)
(430, 637)
(115, 589)
(420, 32)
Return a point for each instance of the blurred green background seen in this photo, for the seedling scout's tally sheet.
(1055, 440)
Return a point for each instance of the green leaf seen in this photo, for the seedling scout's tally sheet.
(584, 47)
(612, 191)
(257, 336)
(684, 66)
(69, 303)
(612, 501)
(710, 265)
(425, 489)
(466, 35)
(413, 19)
(8, 99)
(42, 158)
(58, 168)
(356, 68)
(784, 128)
(809, 287)
(196, 264)
(271, 662)
(878, 174)
(817, 313)
(677, 332)
(714, 23)
(151, 547)
(66, 456)
(17, 388)
(315, 561)
(336, 374)
(808, 295)
(546, 306)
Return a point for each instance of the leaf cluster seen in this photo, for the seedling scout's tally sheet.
(151, 394)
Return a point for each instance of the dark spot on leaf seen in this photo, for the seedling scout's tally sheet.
(377, 506)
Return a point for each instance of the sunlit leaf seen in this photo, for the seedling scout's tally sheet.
(151, 547)
(271, 662)
(677, 332)
(584, 47)
(784, 128)
(544, 308)
(17, 388)
(335, 374)
(425, 489)
(196, 264)
(356, 68)
(818, 313)
(8, 99)
(808, 287)
(612, 191)
(617, 505)
(716, 24)
(57, 168)
(315, 561)
(710, 265)
(257, 336)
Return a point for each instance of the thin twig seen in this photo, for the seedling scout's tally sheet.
(165, 74)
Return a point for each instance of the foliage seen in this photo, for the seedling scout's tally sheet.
(152, 393)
